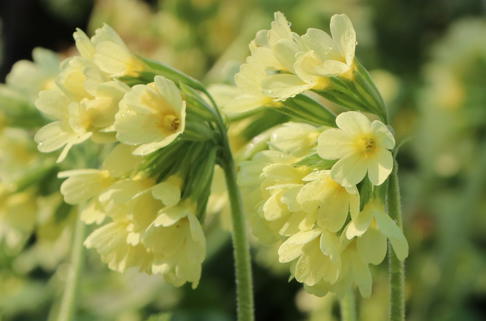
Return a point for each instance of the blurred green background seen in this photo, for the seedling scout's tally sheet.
(427, 57)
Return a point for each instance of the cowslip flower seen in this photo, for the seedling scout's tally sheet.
(82, 104)
(151, 116)
(30, 77)
(360, 146)
(331, 201)
(108, 51)
(177, 242)
(314, 255)
(311, 59)
(372, 226)
(327, 56)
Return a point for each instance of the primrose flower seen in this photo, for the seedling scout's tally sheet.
(248, 93)
(317, 256)
(372, 226)
(110, 242)
(151, 116)
(177, 242)
(108, 51)
(82, 104)
(30, 77)
(360, 146)
(331, 201)
(327, 56)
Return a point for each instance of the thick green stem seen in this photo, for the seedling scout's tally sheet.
(68, 301)
(241, 248)
(396, 267)
(348, 306)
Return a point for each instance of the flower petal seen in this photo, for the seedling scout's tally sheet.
(343, 34)
(353, 123)
(333, 144)
(380, 168)
(283, 86)
(398, 241)
(349, 171)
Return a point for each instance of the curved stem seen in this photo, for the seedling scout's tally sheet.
(68, 306)
(241, 248)
(348, 306)
(396, 267)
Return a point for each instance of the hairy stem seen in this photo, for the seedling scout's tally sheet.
(396, 267)
(348, 306)
(68, 301)
(244, 283)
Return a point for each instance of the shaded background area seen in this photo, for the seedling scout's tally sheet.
(414, 49)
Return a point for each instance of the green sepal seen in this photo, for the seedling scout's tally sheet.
(315, 161)
(366, 192)
(173, 74)
(144, 77)
(197, 130)
(265, 119)
(302, 108)
(195, 103)
(357, 93)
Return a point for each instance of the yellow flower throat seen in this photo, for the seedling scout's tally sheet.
(366, 144)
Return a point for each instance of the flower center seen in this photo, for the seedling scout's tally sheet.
(170, 122)
(366, 144)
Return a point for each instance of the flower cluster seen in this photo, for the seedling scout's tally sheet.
(84, 97)
(159, 149)
(30, 203)
(315, 187)
(284, 64)
(310, 204)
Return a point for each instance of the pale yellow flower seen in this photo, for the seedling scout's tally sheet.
(151, 116)
(360, 146)
(108, 51)
(317, 256)
(372, 226)
(177, 242)
(83, 184)
(17, 153)
(18, 213)
(30, 77)
(82, 104)
(110, 241)
(310, 59)
(331, 201)
(59, 133)
(294, 138)
(327, 56)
